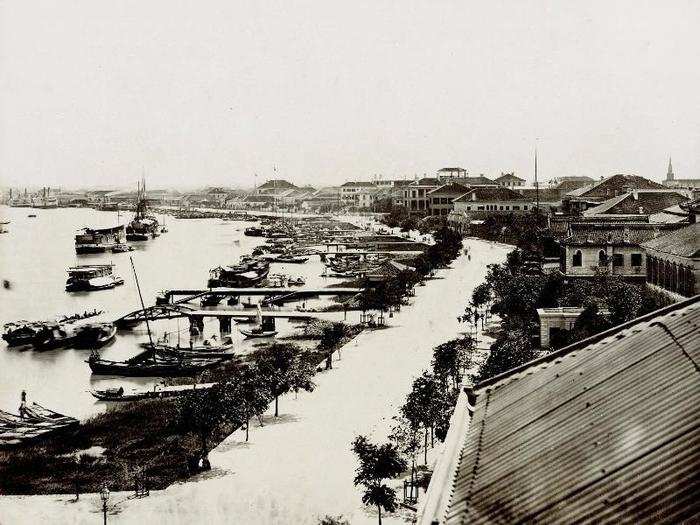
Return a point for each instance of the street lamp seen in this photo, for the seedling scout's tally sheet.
(104, 496)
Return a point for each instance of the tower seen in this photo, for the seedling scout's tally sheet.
(669, 173)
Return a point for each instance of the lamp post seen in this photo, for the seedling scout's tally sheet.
(104, 496)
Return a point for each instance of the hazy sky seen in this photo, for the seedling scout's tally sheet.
(92, 92)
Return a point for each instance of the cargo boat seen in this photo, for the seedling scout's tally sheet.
(91, 277)
(94, 240)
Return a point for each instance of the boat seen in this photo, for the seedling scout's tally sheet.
(265, 327)
(291, 259)
(153, 364)
(21, 333)
(95, 335)
(296, 281)
(2, 226)
(258, 332)
(121, 248)
(208, 346)
(99, 240)
(247, 273)
(254, 231)
(143, 226)
(34, 423)
(211, 299)
(119, 394)
(59, 336)
(91, 277)
(32, 215)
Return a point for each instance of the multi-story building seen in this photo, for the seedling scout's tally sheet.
(415, 195)
(481, 201)
(509, 180)
(441, 198)
(349, 189)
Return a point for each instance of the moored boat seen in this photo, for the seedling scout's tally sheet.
(247, 273)
(152, 364)
(99, 240)
(143, 226)
(95, 335)
(90, 277)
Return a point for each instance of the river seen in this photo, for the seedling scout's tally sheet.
(34, 256)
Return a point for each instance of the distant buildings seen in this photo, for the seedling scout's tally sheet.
(441, 199)
(509, 180)
(349, 190)
(672, 182)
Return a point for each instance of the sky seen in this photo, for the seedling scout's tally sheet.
(96, 93)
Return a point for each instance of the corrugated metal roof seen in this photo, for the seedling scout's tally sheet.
(608, 432)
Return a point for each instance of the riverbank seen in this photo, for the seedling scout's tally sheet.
(301, 467)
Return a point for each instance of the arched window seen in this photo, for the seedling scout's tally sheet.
(602, 258)
(578, 258)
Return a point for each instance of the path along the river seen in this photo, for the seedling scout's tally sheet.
(300, 467)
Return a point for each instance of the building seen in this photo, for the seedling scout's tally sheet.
(577, 201)
(672, 182)
(637, 203)
(602, 431)
(349, 189)
(274, 187)
(673, 261)
(612, 248)
(555, 320)
(481, 201)
(509, 180)
(445, 174)
(569, 183)
(441, 198)
(548, 199)
(415, 195)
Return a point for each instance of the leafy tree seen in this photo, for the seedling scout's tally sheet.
(245, 397)
(423, 405)
(450, 359)
(201, 412)
(405, 435)
(512, 348)
(377, 463)
(278, 367)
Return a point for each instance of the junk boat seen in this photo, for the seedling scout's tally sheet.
(119, 394)
(291, 259)
(90, 277)
(143, 226)
(153, 364)
(33, 424)
(93, 240)
(94, 335)
(247, 273)
(24, 332)
(265, 327)
(253, 231)
(121, 248)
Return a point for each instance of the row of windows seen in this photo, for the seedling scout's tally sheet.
(441, 200)
(493, 207)
(618, 259)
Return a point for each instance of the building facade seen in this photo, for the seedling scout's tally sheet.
(673, 261)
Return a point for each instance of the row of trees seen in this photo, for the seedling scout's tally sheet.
(515, 294)
(423, 417)
(273, 371)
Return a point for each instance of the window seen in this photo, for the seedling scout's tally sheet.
(602, 258)
(469, 207)
(444, 200)
(479, 207)
(413, 194)
(636, 259)
(436, 200)
(525, 207)
(516, 207)
(577, 259)
(618, 259)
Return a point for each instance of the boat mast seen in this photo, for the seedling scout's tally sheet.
(143, 307)
(537, 186)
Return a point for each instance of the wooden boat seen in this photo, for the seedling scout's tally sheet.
(296, 281)
(92, 277)
(291, 259)
(119, 394)
(246, 274)
(253, 231)
(215, 348)
(24, 332)
(36, 422)
(152, 364)
(59, 336)
(95, 335)
(258, 332)
(122, 248)
(99, 240)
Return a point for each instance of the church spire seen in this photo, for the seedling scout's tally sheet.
(669, 173)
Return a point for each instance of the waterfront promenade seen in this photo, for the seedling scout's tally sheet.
(300, 467)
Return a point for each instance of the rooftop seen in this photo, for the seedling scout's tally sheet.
(492, 193)
(684, 242)
(605, 430)
(625, 233)
(638, 202)
(508, 177)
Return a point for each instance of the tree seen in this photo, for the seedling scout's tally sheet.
(512, 348)
(245, 396)
(422, 406)
(278, 367)
(404, 434)
(377, 463)
(201, 412)
(450, 359)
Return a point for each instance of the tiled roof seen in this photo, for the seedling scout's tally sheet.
(617, 184)
(545, 194)
(276, 184)
(357, 184)
(451, 188)
(492, 193)
(625, 233)
(684, 242)
(508, 177)
(426, 181)
(603, 431)
(638, 203)
(479, 180)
